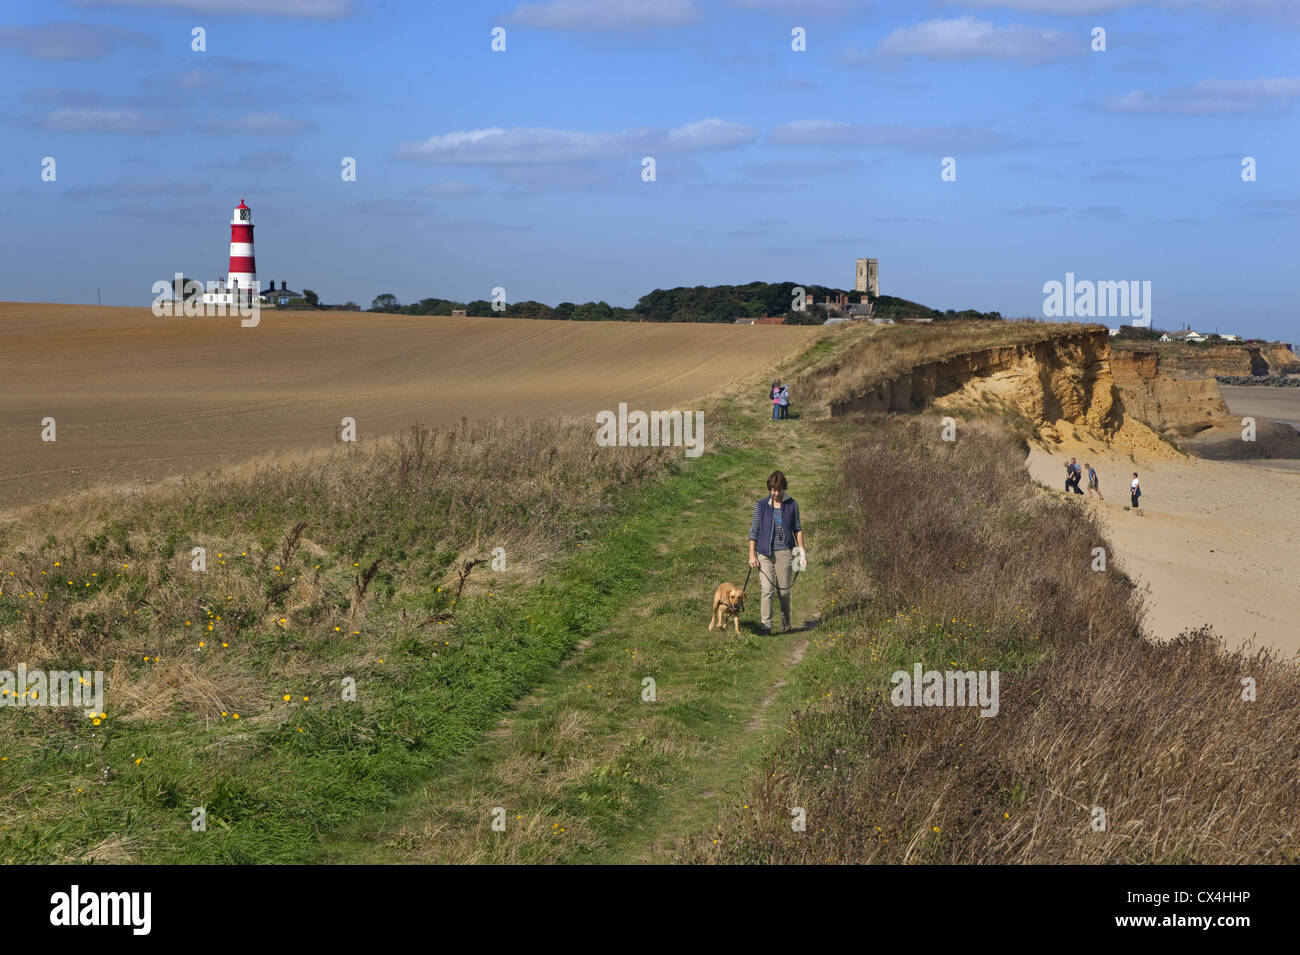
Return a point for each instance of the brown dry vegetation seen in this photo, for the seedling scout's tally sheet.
(111, 584)
(957, 562)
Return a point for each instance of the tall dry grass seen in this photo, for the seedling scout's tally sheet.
(1106, 747)
(110, 585)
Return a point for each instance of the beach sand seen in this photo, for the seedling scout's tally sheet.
(1216, 541)
(1273, 404)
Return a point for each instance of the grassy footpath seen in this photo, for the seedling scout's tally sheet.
(1103, 747)
(242, 714)
(585, 769)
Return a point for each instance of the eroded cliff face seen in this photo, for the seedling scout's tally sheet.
(1181, 406)
(1063, 384)
(1073, 386)
(1065, 378)
(1281, 359)
(1208, 361)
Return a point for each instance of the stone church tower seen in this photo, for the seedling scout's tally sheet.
(868, 277)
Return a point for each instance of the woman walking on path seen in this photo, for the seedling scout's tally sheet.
(1135, 491)
(774, 530)
(776, 399)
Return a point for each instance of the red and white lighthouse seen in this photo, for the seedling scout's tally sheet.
(241, 278)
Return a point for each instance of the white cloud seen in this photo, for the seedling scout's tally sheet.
(256, 161)
(1054, 6)
(815, 8)
(450, 187)
(1211, 96)
(602, 15)
(1073, 7)
(101, 121)
(1032, 210)
(797, 169)
(709, 134)
(531, 145)
(934, 140)
(259, 123)
(305, 9)
(71, 41)
(139, 187)
(966, 38)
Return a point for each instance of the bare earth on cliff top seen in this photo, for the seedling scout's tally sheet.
(1216, 540)
(139, 398)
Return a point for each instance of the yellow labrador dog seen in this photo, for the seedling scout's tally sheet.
(728, 600)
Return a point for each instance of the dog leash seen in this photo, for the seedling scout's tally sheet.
(775, 586)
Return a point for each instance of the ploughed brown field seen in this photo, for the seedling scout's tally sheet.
(138, 398)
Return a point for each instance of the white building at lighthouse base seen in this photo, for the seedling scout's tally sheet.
(229, 293)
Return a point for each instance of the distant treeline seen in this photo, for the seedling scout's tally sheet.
(703, 303)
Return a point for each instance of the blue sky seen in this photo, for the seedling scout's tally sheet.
(523, 168)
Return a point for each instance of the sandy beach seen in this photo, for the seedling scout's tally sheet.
(1216, 541)
(1272, 404)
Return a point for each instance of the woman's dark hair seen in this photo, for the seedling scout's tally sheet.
(776, 481)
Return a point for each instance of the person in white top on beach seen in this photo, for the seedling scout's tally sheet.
(1135, 491)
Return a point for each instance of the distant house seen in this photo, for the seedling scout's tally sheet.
(1186, 335)
(836, 321)
(1113, 332)
(459, 313)
(278, 296)
(1231, 338)
(744, 321)
(770, 320)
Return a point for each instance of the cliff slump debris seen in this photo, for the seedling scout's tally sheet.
(1062, 384)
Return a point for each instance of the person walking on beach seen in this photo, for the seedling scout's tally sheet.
(783, 399)
(1135, 491)
(1092, 482)
(1072, 475)
(773, 531)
